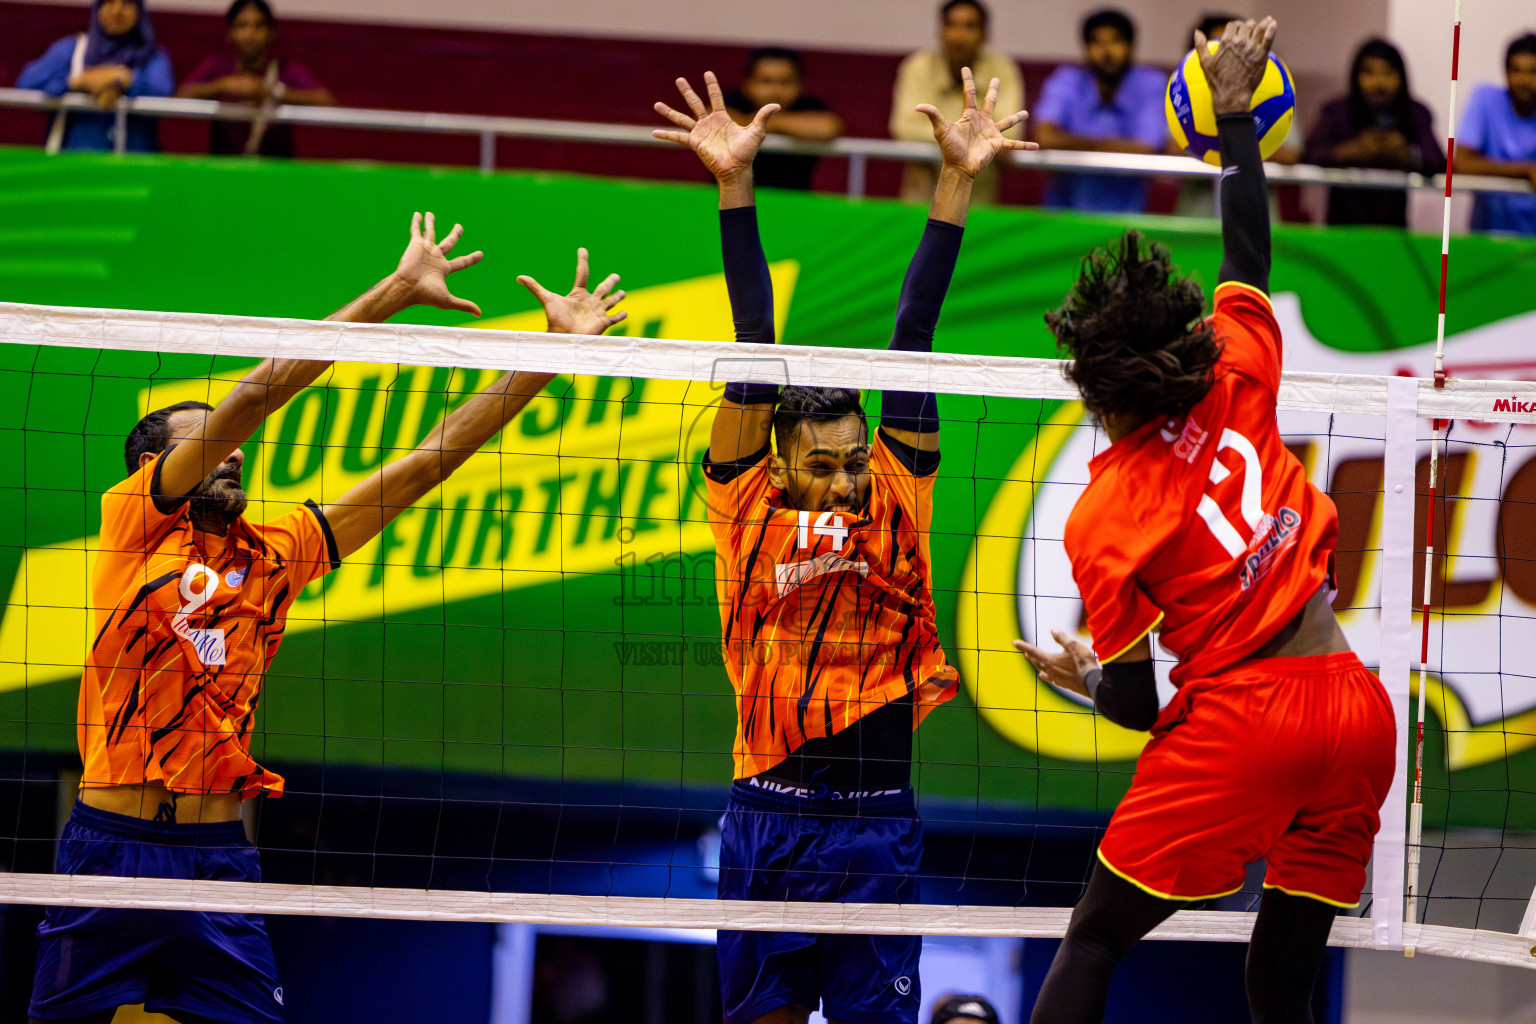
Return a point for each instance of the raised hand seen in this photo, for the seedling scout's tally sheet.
(1235, 70)
(580, 311)
(970, 143)
(1067, 668)
(425, 266)
(725, 147)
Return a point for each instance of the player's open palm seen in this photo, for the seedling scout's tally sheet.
(579, 311)
(725, 147)
(425, 266)
(971, 143)
(1235, 70)
(1066, 668)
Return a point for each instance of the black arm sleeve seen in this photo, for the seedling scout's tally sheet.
(1126, 693)
(751, 290)
(1244, 203)
(917, 316)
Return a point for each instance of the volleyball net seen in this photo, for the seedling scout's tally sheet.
(513, 706)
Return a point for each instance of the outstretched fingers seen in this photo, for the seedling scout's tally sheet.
(970, 88)
(760, 119)
(991, 101)
(677, 117)
(606, 286)
(465, 262)
(452, 301)
(691, 98)
(716, 96)
(429, 234)
(934, 117)
(583, 271)
(613, 300)
(541, 293)
(681, 138)
(447, 244)
(415, 226)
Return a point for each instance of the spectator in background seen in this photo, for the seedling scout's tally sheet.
(963, 1009)
(115, 57)
(1377, 125)
(773, 76)
(1498, 136)
(933, 76)
(1107, 105)
(246, 72)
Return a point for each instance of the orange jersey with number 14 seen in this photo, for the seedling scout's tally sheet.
(1205, 527)
(825, 616)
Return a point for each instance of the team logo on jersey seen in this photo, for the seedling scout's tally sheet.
(903, 985)
(1275, 534)
(277, 994)
(235, 577)
(791, 576)
(1187, 440)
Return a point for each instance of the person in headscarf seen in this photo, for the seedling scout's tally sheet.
(1377, 125)
(247, 71)
(116, 57)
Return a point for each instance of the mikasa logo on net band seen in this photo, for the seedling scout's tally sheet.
(1513, 404)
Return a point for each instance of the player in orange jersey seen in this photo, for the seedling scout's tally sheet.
(1199, 523)
(826, 606)
(191, 599)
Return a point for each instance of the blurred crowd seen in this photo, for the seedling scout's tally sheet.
(1106, 102)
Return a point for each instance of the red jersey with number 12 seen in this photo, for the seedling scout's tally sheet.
(1205, 527)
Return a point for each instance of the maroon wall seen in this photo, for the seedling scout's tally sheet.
(502, 73)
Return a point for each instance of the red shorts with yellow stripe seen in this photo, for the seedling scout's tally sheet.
(1286, 759)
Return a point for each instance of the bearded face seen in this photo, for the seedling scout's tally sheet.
(219, 500)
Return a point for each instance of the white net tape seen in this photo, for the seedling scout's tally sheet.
(1502, 402)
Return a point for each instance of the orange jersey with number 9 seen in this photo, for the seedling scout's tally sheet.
(186, 625)
(825, 616)
(1205, 527)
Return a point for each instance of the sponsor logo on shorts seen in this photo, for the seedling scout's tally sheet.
(903, 984)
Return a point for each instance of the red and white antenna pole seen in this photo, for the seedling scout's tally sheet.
(1416, 813)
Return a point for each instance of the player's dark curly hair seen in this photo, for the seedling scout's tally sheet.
(1134, 328)
(152, 433)
(818, 405)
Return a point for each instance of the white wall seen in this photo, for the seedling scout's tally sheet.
(1318, 34)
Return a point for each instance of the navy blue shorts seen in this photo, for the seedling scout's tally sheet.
(779, 847)
(210, 965)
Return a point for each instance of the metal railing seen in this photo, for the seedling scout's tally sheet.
(858, 152)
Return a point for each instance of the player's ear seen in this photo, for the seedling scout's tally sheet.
(145, 458)
(778, 471)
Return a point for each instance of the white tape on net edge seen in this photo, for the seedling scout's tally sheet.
(865, 369)
(637, 912)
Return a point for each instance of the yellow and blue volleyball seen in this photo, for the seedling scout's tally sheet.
(1192, 116)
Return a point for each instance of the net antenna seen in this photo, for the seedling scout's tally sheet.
(1416, 812)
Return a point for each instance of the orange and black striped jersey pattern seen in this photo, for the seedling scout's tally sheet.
(825, 616)
(186, 625)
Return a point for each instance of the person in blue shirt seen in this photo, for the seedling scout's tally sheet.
(116, 57)
(1106, 105)
(1498, 136)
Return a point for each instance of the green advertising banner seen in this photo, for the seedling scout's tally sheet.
(550, 612)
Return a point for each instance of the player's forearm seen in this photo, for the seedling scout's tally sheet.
(201, 90)
(471, 425)
(736, 190)
(309, 97)
(917, 317)
(1244, 203)
(377, 304)
(264, 391)
(952, 197)
(1470, 161)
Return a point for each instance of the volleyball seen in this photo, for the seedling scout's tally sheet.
(1192, 118)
